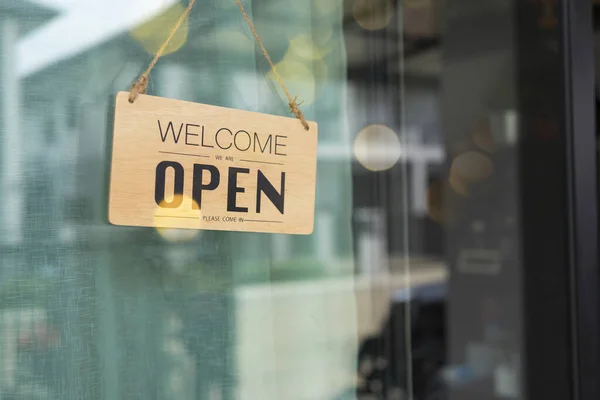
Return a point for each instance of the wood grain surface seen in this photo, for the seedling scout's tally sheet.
(177, 164)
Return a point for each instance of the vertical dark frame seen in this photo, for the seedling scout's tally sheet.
(558, 174)
(582, 180)
(546, 321)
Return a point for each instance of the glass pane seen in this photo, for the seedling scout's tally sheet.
(401, 292)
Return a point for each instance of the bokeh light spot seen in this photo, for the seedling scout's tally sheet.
(304, 46)
(373, 14)
(471, 167)
(482, 137)
(318, 67)
(153, 33)
(174, 235)
(298, 78)
(181, 214)
(458, 185)
(377, 147)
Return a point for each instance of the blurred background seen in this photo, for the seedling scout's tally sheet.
(410, 287)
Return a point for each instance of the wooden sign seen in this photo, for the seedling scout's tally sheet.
(178, 164)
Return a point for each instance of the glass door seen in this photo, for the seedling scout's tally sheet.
(453, 255)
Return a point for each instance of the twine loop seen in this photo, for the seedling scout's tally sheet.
(295, 109)
(140, 86)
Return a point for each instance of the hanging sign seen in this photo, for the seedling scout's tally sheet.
(177, 164)
(185, 165)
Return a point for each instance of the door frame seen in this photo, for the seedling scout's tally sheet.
(582, 179)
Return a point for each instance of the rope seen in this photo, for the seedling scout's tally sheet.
(140, 86)
(292, 101)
